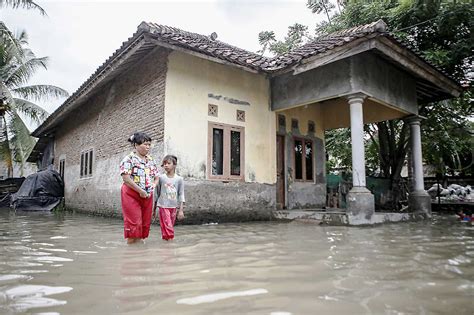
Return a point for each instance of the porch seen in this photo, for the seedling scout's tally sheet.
(365, 82)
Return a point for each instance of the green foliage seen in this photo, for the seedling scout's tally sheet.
(297, 34)
(24, 4)
(17, 65)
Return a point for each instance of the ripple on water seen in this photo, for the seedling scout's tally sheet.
(24, 297)
(214, 297)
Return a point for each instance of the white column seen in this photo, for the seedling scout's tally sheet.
(417, 158)
(357, 139)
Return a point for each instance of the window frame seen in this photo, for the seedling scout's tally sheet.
(86, 164)
(304, 140)
(62, 167)
(226, 171)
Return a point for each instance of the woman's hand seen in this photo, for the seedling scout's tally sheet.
(144, 194)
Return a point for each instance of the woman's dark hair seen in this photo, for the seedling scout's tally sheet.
(139, 138)
(172, 158)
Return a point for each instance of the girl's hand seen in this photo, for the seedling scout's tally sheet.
(180, 214)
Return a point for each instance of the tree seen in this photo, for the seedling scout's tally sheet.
(319, 6)
(17, 65)
(25, 4)
(296, 36)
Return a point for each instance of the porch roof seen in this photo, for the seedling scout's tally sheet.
(151, 35)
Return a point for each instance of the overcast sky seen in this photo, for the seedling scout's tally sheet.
(79, 35)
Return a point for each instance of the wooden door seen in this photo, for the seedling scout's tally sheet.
(280, 186)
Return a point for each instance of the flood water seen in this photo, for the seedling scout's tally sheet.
(76, 264)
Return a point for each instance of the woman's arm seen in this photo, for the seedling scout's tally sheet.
(127, 180)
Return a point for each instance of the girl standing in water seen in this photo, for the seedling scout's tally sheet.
(138, 171)
(171, 200)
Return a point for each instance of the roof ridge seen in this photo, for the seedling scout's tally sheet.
(165, 29)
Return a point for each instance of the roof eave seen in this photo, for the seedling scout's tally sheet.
(88, 87)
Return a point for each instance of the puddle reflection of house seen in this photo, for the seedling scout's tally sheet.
(248, 130)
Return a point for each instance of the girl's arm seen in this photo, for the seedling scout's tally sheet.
(181, 199)
(127, 180)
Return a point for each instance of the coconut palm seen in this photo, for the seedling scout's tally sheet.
(17, 65)
(25, 4)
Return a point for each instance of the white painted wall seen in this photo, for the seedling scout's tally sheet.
(189, 81)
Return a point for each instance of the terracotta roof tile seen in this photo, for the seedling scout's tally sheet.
(215, 48)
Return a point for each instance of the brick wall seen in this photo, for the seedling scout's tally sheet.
(134, 101)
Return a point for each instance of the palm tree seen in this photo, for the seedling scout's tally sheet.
(17, 65)
(25, 4)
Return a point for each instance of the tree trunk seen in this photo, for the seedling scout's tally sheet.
(6, 143)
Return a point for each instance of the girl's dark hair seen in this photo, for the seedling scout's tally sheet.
(139, 138)
(172, 158)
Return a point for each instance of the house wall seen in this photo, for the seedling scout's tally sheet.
(192, 84)
(383, 81)
(303, 194)
(134, 101)
(368, 73)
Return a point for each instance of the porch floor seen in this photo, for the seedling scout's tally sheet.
(336, 216)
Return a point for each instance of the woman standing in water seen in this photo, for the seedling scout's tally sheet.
(138, 171)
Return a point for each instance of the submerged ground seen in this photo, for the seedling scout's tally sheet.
(76, 264)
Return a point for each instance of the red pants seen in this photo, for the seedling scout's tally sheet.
(167, 220)
(136, 213)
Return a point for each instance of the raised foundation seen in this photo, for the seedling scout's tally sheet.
(420, 202)
(342, 218)
(360, 203)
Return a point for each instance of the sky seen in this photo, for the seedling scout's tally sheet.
(79, 35)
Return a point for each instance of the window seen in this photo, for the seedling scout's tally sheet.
(62, 163)
(87, 158)
(225, 152)
(303, 159)
(294, 124)
(281, 121)
(311, 127)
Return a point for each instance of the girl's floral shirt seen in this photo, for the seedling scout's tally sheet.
(142, 171)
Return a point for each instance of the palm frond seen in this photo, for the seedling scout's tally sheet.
(40, 92)
(34, 112)
(22, 72)
(25, 4)
(21, 142)
(10, 42)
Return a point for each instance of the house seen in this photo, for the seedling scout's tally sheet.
(248, 130)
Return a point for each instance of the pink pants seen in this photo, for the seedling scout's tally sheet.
(167, 220)
(136, 213)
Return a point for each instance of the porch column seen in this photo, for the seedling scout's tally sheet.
(419, 200)
(360, 200)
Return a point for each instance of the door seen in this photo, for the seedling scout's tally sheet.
(280, 186)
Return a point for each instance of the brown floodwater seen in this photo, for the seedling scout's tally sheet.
(76, 264)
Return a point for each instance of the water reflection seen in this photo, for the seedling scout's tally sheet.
(78, 264)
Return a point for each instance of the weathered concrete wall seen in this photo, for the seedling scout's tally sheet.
(305, 194)
(325, 82)
(383, 81)
(366, 72)
(214, 201)
(132, 102)
(191, 85)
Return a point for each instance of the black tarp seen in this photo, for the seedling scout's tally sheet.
(41, 191)
(8, 187)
